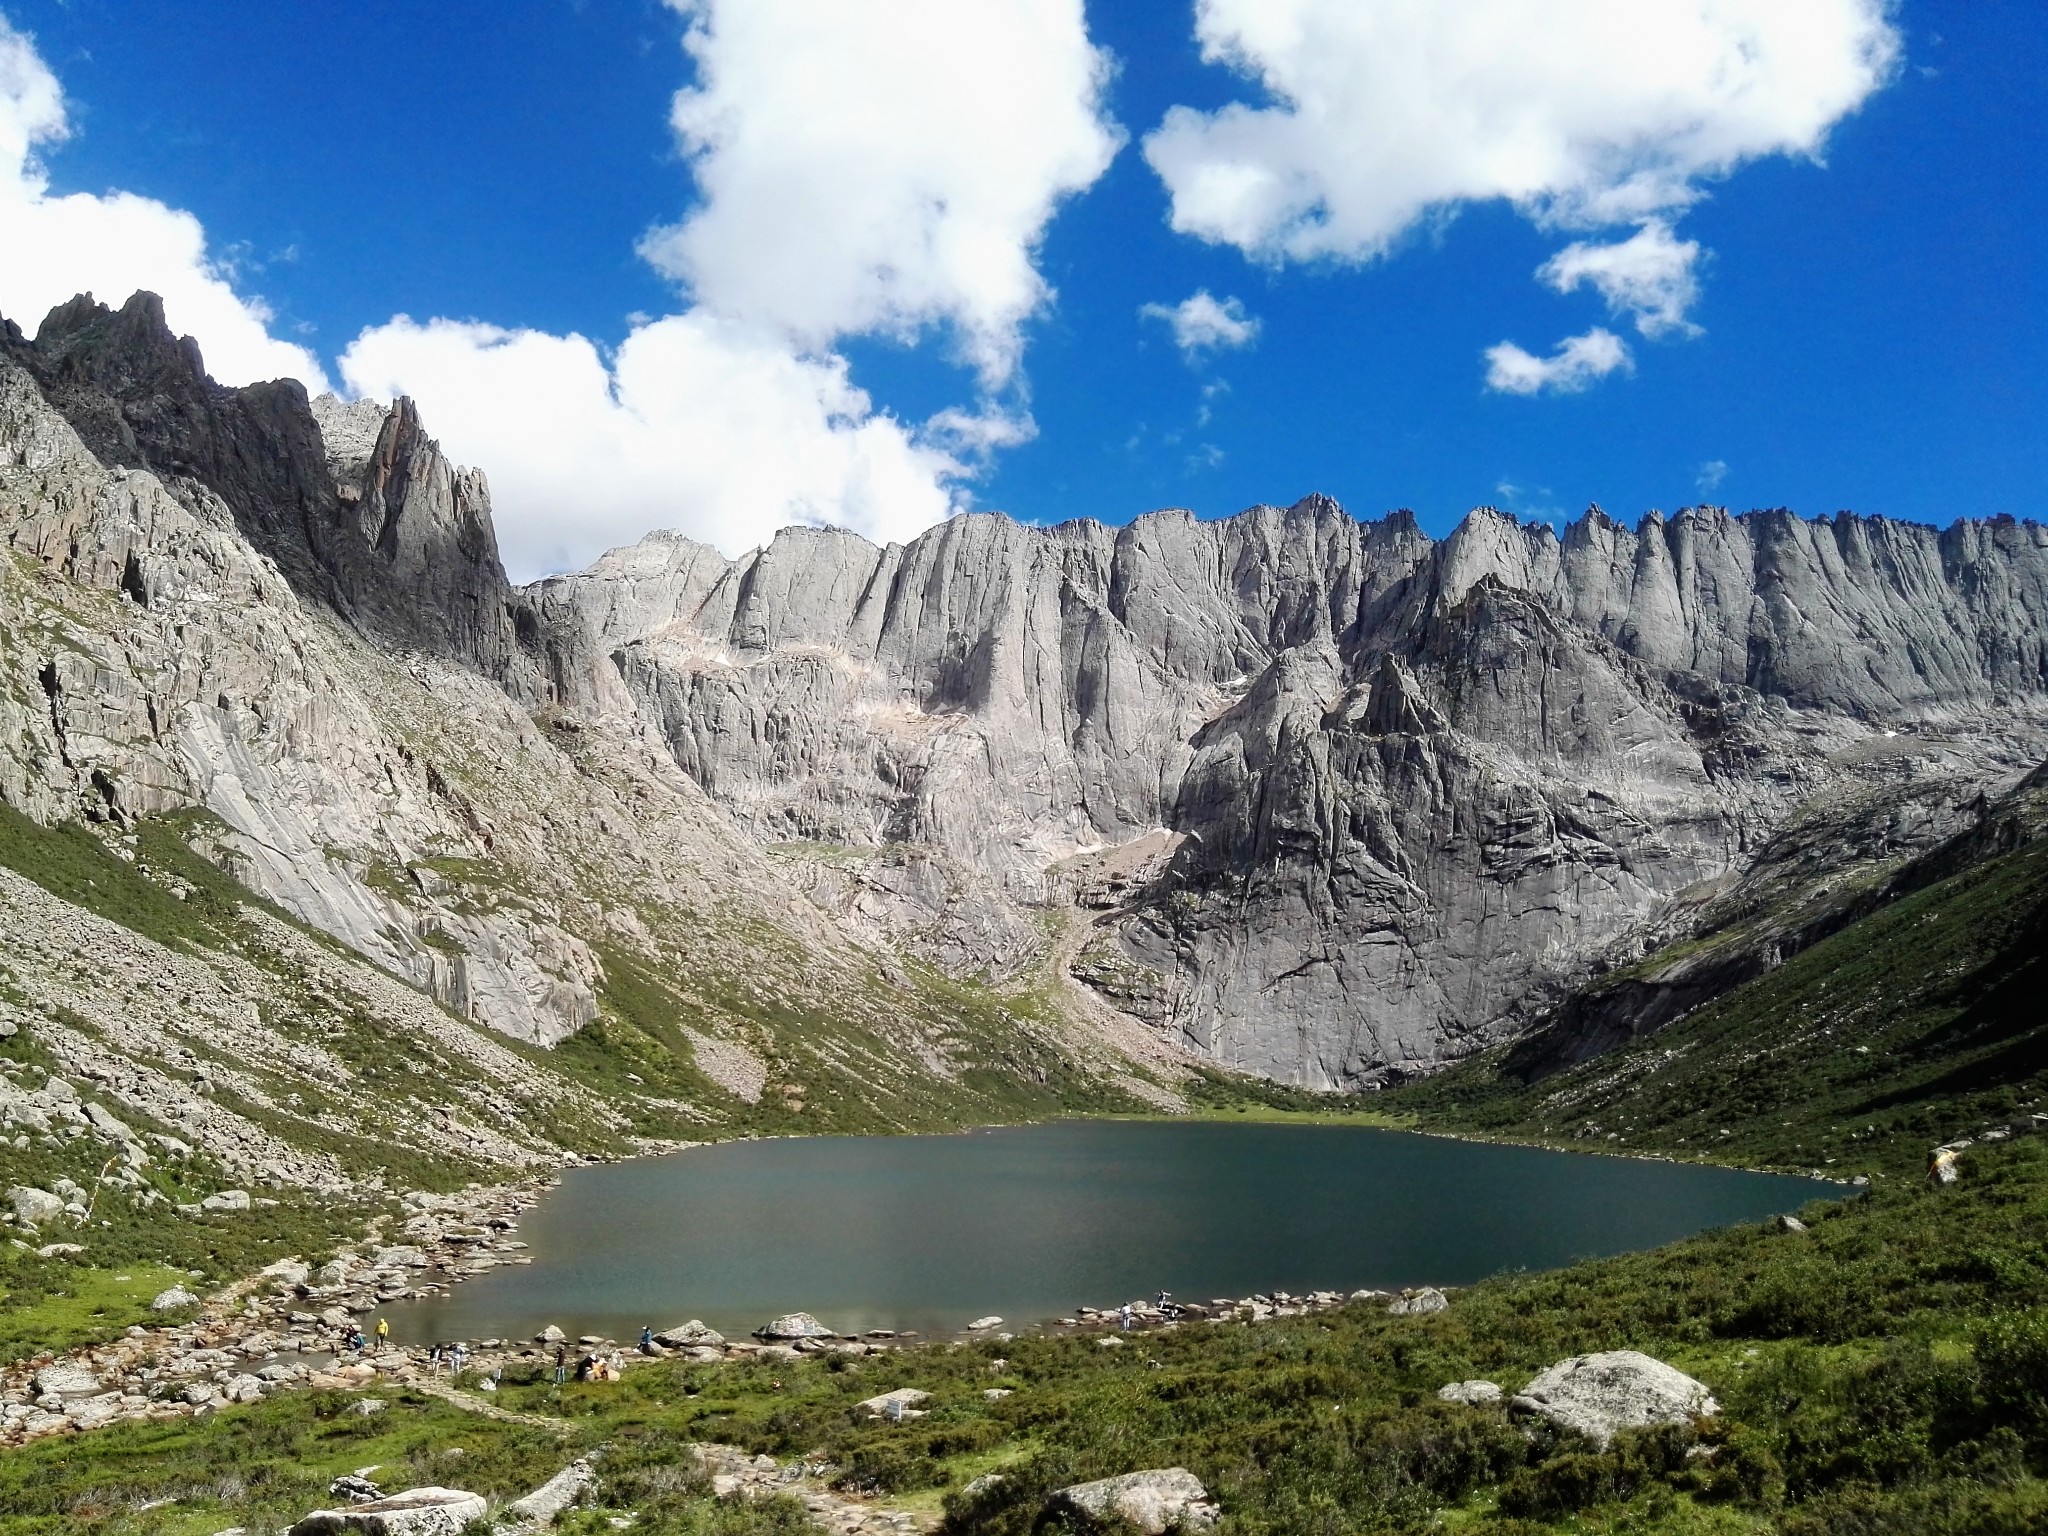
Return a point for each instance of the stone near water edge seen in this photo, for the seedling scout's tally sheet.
(172, 1300)
(33, 1207)
(1419, 1303)
(1169, 1499)
(1790, 1224)
(794, 1325)
(67, 1379)
(416, 1512)
(1475, 1394)
(690, 1335)
(1597, 1395)
(551, 1335)
(900, 1404)
(986, 1322)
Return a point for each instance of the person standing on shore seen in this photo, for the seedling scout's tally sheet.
(1125, 1316)
(561, 1364)
(646, 1340)
(383, 1331)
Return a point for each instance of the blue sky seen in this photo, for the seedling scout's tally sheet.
(1872, 331)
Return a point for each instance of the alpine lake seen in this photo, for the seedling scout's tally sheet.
(928, 1233)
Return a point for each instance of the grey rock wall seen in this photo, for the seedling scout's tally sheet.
(1418, 782)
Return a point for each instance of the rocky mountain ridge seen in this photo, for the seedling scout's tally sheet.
(1408, 785)
(1326, 800)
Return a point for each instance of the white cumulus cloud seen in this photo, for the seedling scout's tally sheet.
(1201, 322)
(1577, 363)
(883, 167)
(52, 247)
(1382, 116)
(1649, 277)
(875, 169)
(700, 423)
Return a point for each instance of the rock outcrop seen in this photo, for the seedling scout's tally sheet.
(1599, 1395)
(1171, 1499)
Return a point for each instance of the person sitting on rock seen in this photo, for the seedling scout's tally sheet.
(646, 1340)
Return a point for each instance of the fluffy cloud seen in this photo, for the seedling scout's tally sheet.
(874, 169)
(1584, 114)
(1577, 363)
(699, 423)
(883, 167)
(111, 245)
(1648, 277)
(1203, 323)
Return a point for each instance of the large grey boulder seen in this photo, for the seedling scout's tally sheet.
(1598, 1395)
(794, 1325)
(565, 1489)
(416, 1512)
(1171, 1499)
(900, 1404)
(1420, 1303)
(173, 1300)
(690, 1335)
(226, 1200)
(33, 1207)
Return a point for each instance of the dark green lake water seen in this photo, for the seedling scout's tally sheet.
(930, 1232)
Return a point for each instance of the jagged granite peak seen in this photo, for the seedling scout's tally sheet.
(408, 554)
(349, 430)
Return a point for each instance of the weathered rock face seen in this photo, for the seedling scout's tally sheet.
(1335, 802)
(1413, 785)
(400, 544)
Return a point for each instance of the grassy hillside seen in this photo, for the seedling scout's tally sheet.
(1921, 1023)
(302, 1040)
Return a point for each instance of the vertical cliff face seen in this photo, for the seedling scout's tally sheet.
(1411, 784)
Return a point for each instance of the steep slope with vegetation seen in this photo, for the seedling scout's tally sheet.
(1917, 1024)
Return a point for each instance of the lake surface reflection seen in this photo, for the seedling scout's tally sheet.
(930, 1232)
